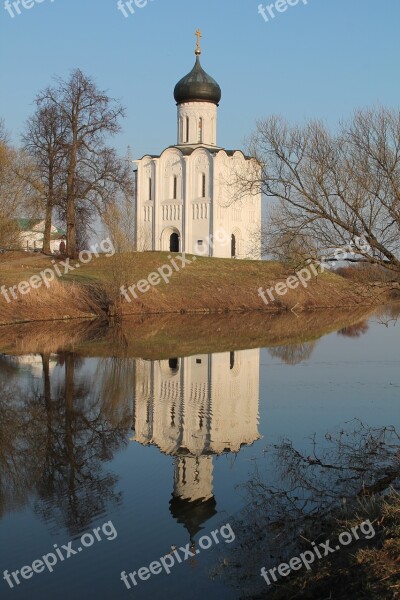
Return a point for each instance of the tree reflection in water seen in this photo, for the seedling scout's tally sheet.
(293, 354)
(53, 446)
(294, 488)
(354, 331)
(21, 453)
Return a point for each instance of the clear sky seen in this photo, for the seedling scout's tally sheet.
(320, 60)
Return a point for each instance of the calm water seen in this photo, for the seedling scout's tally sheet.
(163, 450)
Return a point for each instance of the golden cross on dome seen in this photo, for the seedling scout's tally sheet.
(198, 47)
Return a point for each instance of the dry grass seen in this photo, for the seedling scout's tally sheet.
(206, 285)
(59, 302)
(365, 570)
(367, 273)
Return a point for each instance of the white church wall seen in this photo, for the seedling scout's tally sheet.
(169, 213)
(143, 413)
(201, 403)
(201, 117)
(200, 180)
(146, 187)
(193, 478)
(196, 383)
(235, 389)
(239, 214)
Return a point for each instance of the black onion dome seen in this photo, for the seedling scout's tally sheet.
(197, 86)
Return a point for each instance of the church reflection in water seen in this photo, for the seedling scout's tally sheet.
(195, 408)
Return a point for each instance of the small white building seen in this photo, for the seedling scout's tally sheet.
(187, 199)
(32, 233)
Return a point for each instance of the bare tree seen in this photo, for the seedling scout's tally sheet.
(85, 218)
(332, 189)
(45, 140)
(93, 172)
(3, 133)
(119, 219)
(144, 239)
(15, 192)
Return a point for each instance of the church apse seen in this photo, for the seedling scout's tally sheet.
(192, 409)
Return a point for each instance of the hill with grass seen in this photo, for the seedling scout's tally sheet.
(203, 285)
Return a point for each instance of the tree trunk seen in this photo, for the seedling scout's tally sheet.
(71, 228)
(71, 208)
(73, 507)
(47, 227)
(49, 213)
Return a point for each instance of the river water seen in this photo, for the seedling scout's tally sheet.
(156, 452)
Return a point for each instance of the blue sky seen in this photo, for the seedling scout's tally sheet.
(319, 60)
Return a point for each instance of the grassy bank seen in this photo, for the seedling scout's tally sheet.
(368, 569)
(206, 285)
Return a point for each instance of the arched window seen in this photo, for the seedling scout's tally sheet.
(187, 129)
(173, 364)
(233, 246)
(174, 242)
(200, 137)
(180, 130)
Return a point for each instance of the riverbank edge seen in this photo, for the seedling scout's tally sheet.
(211, 286)
(107, 315)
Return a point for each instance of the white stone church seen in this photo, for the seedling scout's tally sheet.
(186, 196)
(194, 409)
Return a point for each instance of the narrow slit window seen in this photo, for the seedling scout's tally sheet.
(200, 130)
(203, 185)
(150, 189)
(175, 187)
(187, 129)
